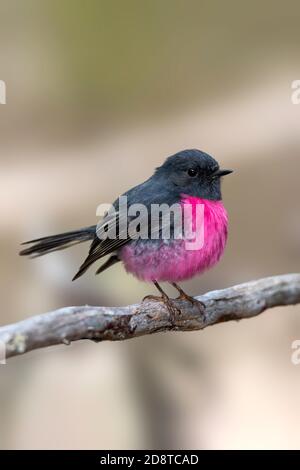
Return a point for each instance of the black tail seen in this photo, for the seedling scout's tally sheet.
(42, 246)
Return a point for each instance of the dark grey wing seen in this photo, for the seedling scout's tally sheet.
(118, 224)
(100, 246)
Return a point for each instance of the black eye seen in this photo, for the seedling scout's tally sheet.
(192, 172)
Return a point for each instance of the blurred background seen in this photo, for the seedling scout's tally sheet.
(98, 94)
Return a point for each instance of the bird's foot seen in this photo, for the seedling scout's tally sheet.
(188, 298)
(196, 303)
(173, 310)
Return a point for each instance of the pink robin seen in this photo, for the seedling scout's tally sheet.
(188, 178)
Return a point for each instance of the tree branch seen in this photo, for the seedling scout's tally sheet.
(119, 323)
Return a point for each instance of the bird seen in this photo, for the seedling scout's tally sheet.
(189, 178)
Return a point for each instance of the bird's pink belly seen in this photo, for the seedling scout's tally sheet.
(170, 260)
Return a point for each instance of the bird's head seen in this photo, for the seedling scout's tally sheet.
(194, 173)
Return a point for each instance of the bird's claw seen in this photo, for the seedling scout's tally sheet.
(196, 303)
(173, 310)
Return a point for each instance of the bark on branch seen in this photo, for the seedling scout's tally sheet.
(119, 323)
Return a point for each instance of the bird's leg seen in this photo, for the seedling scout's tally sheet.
(183, 296)
(165, 299)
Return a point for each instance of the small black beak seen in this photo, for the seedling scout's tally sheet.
(219, 173)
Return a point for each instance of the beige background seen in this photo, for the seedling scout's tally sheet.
(98, 94)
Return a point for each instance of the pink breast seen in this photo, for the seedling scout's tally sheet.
(170, 260)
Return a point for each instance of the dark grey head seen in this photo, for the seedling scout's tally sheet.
(194, 173)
